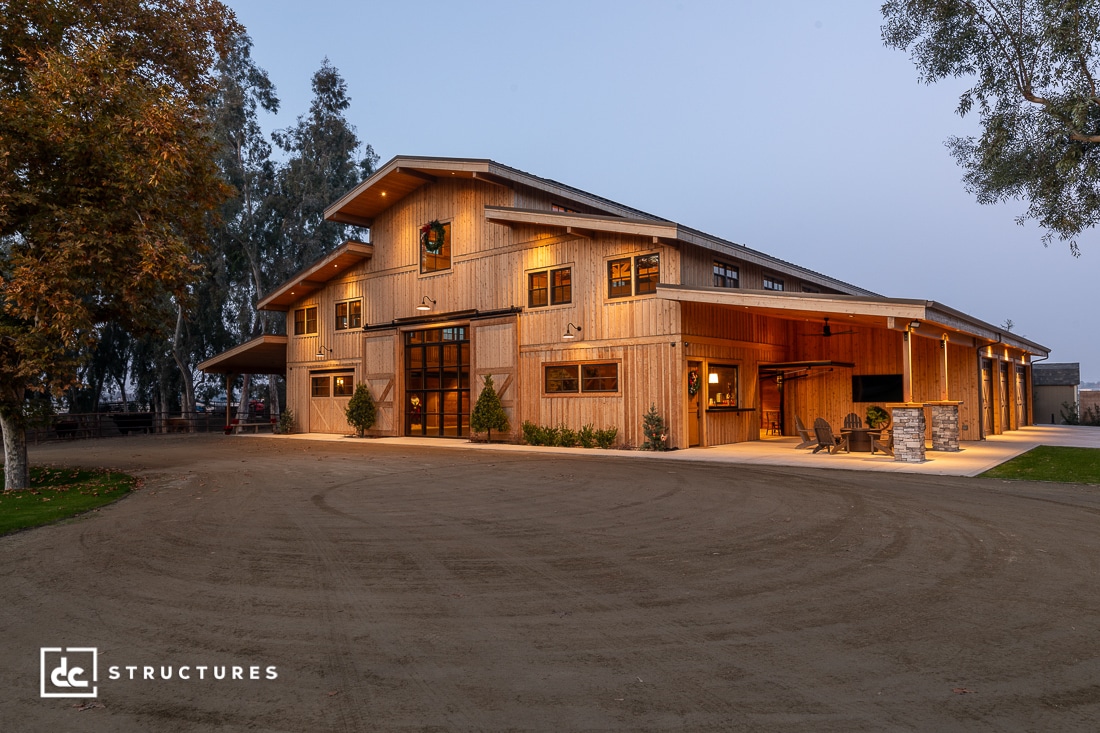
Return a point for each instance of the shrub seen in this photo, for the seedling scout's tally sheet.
(488, 414)
(361, 412)
(653, 427)
(587, 436)
(286, 422)
(567, 437)
(606, 437)
(550, 436)
(532, 433)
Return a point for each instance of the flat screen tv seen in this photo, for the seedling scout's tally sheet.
(877, 388)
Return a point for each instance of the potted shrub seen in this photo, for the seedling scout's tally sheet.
(877, 417)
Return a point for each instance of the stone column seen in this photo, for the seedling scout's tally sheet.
(945, 425)
(908, 427)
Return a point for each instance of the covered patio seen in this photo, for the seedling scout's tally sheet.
(265, 354)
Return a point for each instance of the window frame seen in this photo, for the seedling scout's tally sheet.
(426, 256)
(552, 295)
(652, 277)
(350, 320)
(627, 278)
(544, 290)
(771, 281)
(726, 268)
(302, 327)
(718, 388)
(579, 377)
(567, 289)
(637, 284)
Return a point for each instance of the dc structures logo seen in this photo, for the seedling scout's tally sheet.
(69, 671)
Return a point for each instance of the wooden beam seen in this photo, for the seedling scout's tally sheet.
(412, 172)
(490, 178)
(359, 221)
(907, 367)
(575, 232)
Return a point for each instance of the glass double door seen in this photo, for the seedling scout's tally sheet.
(437, 382)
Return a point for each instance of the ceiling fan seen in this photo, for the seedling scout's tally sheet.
(827, 331)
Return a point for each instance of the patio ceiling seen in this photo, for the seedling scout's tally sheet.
(263, 355)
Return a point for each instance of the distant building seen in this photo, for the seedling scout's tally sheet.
(1055, 384)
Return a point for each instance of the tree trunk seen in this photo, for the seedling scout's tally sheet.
(274, 408)
(242, 408)
(180, 358)
(16, 473)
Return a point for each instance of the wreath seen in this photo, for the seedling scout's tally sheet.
(431, 236)
(693, 382)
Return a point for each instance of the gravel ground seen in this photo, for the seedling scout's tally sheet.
(411, 589)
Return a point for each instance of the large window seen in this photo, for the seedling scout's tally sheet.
(437, 261)
(628, 276)
(722, 385)
(581, 378)
(305, 321)
(549, 287)
(726, 276)
(437, 382)
(349, 315)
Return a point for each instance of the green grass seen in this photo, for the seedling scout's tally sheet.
(59, 493)
(1051, 463)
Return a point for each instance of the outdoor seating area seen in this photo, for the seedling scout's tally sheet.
(853, 437)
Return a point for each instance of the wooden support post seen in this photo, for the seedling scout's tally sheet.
(943, 369)
(907, 366)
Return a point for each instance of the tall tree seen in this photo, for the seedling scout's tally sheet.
(1034, 65)
(108, 176)
(326, 160)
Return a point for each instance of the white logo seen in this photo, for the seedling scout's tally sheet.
(69, 671)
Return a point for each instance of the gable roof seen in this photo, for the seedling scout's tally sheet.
(404, 174)
(314, 276)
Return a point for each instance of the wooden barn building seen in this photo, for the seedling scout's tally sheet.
(585, 311)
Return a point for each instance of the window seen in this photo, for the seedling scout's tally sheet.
(726, 276)
(437, 382)
(647, 273)
(349, 315)
(647, 269)
(549, 287)
(563, 209)
(618, 278)
(319, 386)
(305, 320)
(722, 385)
(810, 288)
(561, 282)
(440, 260)
(343, 385)
(771, 282)
(580, 378)
(538, 289)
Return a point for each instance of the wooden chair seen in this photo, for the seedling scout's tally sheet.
(827, 440)
(852, 421)
(803, 434)
(882, 440)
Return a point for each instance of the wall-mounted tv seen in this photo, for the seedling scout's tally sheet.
(877, 388)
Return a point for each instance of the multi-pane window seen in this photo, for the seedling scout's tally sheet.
(581, 378)
(549, 287)
(319, 386)
(538, 289)
(436, 261)
(618, 278)
(726, 276)
(437, 382)
(647, 273)
(305, 320)
(771, 282)
(628, 276)
(343, 385)
(349, 315)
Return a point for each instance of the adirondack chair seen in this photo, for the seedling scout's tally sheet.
(827, 440)
(852, 421)
(804, 434)
(883, 440)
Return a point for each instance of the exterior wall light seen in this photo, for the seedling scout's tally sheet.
(569, 334)
(423, 306)
(321, 349)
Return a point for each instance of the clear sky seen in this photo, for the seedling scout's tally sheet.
(785, 126)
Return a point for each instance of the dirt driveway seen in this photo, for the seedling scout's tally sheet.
(397, 589)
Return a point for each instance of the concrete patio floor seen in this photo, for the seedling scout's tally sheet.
(974, 458)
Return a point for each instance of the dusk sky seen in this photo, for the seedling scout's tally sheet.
(787, 127)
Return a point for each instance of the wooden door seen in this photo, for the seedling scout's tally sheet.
(1021, 398)
(695, 402)
(1006, 406)
(987, 397)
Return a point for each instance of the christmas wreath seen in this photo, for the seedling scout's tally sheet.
(431, 236)
(693, 382)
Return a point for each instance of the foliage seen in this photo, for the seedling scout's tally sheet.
(1052, 463)
(877, 417)
(488, 414)
(106, 179)
(361, 411)
(286, 422)
(1034, 66)
(654, 430)
(1071, 416)
(563, 436)
(56, 494)
(432, 236)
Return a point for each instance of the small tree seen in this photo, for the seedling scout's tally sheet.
(361, 412)
(488, 414)
(656, 433)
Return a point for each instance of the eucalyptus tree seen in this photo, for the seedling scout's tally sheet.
(1033, 67)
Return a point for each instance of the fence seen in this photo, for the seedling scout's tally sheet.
(75, 426)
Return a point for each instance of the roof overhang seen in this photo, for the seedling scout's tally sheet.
(894, 313)
(263, 355)
(315, 276)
